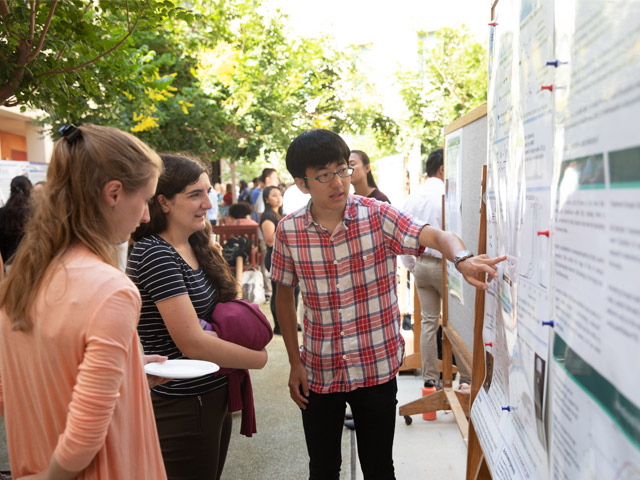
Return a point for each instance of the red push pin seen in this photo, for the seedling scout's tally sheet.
(493, 24)
(547, 87)
(489, 344)
(543, 232)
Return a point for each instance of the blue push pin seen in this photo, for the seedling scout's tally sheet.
(549, 323)
(508, 409)
(555, 63)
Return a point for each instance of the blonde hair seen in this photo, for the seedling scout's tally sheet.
(71, 209)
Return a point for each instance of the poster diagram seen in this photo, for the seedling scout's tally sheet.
(453, 204)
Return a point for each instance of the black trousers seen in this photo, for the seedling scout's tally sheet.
(194, 434)
(374, 415)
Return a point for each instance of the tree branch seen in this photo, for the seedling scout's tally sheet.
(126, 3)
(93, 60)
(84, 12)
(5, 13)
(43, 34)
(32, 20)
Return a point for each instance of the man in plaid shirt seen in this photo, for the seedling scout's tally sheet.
(342, 250)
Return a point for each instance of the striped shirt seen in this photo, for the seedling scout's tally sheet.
(161, 273)
(352, 323)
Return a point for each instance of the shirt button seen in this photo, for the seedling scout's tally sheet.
(342, 333)
(337, 285)
(344, 357)
(335, 262)
(340, 311)
(364, 257)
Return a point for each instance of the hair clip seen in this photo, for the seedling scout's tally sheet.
(70, 133)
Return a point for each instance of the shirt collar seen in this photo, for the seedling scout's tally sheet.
(350, 212)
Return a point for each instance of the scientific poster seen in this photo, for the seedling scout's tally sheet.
(453, 204)
(595, 425)
(510, 407)
(8, 170)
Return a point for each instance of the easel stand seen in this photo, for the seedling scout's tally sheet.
(476, 464)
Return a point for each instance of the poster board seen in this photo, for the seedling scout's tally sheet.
(471, 130)
(561, 330)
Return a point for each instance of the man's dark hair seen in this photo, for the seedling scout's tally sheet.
(434, 162)
(265, 173)
(315, 149)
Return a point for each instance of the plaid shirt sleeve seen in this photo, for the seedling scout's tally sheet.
(401, 230)
(282, 266)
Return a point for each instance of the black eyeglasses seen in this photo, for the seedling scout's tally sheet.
(328, 176)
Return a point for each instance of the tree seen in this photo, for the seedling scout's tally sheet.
(243, 87)
(451, 81)
(66, 57)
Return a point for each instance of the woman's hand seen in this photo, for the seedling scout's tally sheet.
(152, 380)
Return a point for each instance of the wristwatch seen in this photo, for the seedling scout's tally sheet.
(461, 256)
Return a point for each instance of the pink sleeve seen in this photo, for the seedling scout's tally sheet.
(97, 388)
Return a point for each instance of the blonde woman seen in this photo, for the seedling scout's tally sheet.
(74, 392)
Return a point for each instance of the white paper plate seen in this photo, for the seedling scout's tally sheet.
(181, 368)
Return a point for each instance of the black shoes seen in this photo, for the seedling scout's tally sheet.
(431, 384)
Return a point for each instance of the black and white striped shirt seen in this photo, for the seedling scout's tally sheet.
(161, 273)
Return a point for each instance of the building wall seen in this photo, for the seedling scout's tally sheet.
(12, 147)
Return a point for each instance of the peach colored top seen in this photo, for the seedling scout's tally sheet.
(75, 384)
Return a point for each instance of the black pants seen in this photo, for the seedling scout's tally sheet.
(194, 434)
(374, 414)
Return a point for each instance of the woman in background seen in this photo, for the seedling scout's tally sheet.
(269, 220)
(13, 216)
(74, 393)
(362, 178)
(181, 276)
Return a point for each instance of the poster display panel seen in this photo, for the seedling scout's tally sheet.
(595, 421)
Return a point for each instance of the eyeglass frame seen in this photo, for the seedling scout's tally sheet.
(332, 175)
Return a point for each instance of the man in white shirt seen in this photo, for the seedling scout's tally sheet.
(294, 199)
(426, 204)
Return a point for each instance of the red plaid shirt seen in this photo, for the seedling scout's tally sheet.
(348, 283)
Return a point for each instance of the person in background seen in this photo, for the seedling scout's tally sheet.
(426, 205)
(181, 276)
(37, 187)
(294, 199)
(256, 193)
(13, 216)
(269, 220)
(240, 213)
(362, 178)
(244, 195)
(212, 213)
(342, 250)
(227, 198)
(269, 178)
(74, 393)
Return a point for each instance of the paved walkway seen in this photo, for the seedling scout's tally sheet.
(429, 450)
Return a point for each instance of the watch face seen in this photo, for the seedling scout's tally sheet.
(463, 255)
